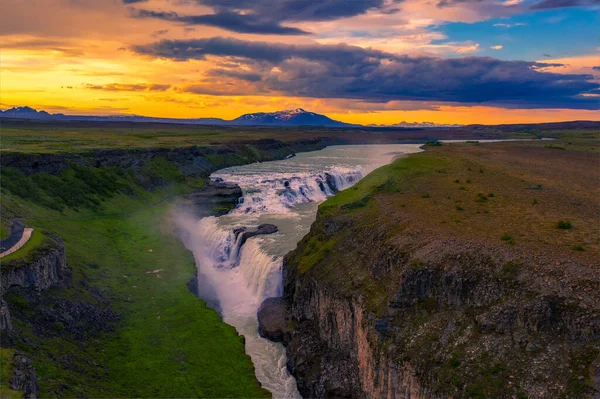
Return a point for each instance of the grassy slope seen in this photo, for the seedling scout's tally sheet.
(169, 343)
(6, 356)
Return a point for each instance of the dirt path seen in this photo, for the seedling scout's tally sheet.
(25, 236)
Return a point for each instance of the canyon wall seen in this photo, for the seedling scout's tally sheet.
(416, 317)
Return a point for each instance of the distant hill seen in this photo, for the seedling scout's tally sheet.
(30, 113)
(296, 117)
(293, 117)
(411, 125)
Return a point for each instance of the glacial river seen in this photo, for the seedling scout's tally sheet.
(235, 280)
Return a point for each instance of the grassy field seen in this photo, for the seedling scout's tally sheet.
(167, 343)
(526, 197)
(49, 137)
(451, 254)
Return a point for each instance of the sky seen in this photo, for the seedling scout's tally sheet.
(358, 61)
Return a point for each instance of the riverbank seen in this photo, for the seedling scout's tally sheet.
(467, 271)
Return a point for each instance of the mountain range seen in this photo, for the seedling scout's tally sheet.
(295, 117)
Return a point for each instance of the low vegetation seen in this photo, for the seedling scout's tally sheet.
(124, 252)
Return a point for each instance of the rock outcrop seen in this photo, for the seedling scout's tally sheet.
(5, 322)
(273, 321)
(46, 268)
(23, 377)
(242, 234)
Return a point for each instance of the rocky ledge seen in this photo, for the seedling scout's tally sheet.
(44, 268)
(243, 233)
(23, 376)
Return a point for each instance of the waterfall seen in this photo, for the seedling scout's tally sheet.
(235, 278)
(280, 192)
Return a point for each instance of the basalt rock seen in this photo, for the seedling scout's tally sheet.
(373, 320)
(45, 268)
(192, 161)
(23, 377)
(263, 229)
(273, 321)
(5, 322)
(216, 199)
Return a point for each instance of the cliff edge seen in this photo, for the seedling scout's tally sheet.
(465, 271)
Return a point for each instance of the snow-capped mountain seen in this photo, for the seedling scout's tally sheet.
(293, 117)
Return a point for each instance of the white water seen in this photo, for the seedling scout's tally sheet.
(235, 280)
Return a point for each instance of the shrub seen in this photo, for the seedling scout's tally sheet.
(433, 143)
(578, 248)
(507, 238)
(564, 225)
(491, 195)
(426, 195)
(458, 208)
(481, 198)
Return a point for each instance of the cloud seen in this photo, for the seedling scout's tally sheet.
(249, 23)
(497, 47)
(297, 10)
(468, 49)
(596, 68)
(134, 1)
(160, 32)
(129, 87)
(553, 4)
(267, 16)
(500, 25)
(343, 71)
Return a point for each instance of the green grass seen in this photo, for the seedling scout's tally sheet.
(6, 356)
(4, 227)
(168, 342)
(37, 240)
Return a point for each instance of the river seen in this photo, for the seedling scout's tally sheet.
(235, 279)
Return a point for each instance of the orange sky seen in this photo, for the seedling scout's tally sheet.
(75, 57)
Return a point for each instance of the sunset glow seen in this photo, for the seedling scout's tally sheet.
(192, 59)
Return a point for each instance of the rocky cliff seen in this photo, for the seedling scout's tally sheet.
(192, 161)
(45, 268)
(457, 323)
(23, 377)
(382, 302)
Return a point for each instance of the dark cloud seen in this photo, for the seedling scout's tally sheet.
(596, 68)
(267, 16)
(297, 10)
(227, 20)
(447, 3)
(129, 87)
(552, 4)
(342, 71)
(134, 1)
(229, 73)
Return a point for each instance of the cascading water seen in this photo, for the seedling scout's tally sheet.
(236, 278)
